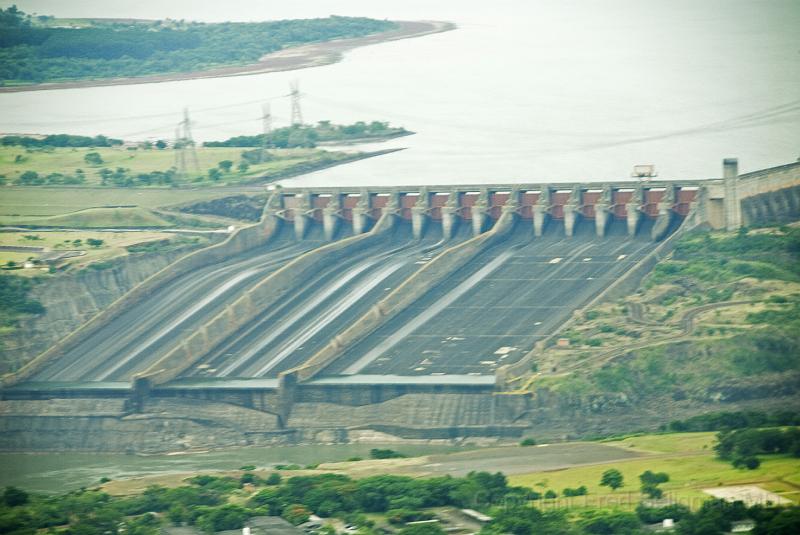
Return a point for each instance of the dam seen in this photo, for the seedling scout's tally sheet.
(403, 310)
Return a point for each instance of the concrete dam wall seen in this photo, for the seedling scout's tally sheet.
(401, 310)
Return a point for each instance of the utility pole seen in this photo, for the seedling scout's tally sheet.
(266, 118)
(297, 115)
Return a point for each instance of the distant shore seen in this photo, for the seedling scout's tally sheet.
(289, 59)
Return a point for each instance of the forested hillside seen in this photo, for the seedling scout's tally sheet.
(40, 50)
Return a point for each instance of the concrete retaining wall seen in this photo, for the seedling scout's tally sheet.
(266, 293)
(424, 280)
(241, 240)
(772, 208)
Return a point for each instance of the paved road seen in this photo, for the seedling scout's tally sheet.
(494, 309)
(289, 334)
(148, 330)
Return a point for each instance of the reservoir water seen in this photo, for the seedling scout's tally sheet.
(551, 90)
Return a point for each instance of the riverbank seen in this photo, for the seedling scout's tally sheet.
(289, 59)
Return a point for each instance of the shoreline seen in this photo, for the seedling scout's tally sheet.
(289, 59)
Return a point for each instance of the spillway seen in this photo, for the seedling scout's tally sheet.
(494, 309)
(146, 331)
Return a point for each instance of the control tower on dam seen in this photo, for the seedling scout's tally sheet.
(362, 306)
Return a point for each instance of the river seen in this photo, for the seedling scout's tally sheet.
(551, 90)
(60, 472)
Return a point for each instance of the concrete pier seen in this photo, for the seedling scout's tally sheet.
(730, 175)
(479, 210)
(634, 210)
(665, 214)
(301, 211)
(572, 211)
(541, 212)
(450, 214)
(419, 214)
(601, 211)
(361, 213)
(331, 216)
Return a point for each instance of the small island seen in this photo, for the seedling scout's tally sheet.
(44, 52)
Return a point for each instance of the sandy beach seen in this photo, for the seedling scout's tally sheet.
(289, 59)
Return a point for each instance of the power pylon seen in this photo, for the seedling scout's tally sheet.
(185, 143)
(266, 119)
(297, 115)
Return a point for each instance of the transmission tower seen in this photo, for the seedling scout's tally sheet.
(297, 115)
(266, 119)
(185, 143)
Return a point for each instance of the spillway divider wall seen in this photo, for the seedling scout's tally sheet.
(422, 281)
(264, 294)
(240, 240)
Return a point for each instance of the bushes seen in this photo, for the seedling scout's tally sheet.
(742, 445)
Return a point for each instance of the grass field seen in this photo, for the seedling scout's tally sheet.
(15, 160)
(99, 207)
(686, 457)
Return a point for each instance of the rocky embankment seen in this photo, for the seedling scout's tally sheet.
(70, 299)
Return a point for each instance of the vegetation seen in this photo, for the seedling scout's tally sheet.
(309, 136)
(725, 421)
(59, 140)
(145, 166)
(15, 301)
(747, 347)
(688, 458)
(378, 453)
(32, 52)
(740, 446)
(612, 478)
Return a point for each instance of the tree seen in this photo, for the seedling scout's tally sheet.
(30, 178)
(243, 166)
(93, 242)
(214, 174)
(612, 478)
(13, 497)
(93, 158)
(296, 514)
(650, 481)
(225, 166)
(161, 144)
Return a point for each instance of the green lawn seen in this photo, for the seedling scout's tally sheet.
(680, 455)
(667, 443)
(15, 160)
